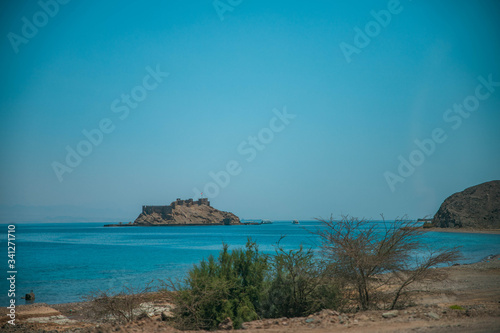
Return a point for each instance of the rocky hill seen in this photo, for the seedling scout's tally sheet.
(185, 212)
(477, 207)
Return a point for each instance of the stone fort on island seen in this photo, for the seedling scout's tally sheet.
(167, 210)
(185, 212)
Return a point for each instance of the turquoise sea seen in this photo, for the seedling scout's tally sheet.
(62, 262)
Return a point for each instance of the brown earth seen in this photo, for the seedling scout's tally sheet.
(474, 290)
(465, 230)
(187, 215)
(475, 207)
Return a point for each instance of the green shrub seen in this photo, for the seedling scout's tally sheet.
(456, 307)
(230, 286)
(299, 285)
(245, 285)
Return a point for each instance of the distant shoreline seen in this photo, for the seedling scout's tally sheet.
(465, 230)
(168, 225)
(180, 224)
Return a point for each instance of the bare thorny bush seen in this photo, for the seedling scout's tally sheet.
(378, 260)
(123, 306)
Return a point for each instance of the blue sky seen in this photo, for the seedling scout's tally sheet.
(351, 119)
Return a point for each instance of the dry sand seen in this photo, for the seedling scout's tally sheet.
(465, 230)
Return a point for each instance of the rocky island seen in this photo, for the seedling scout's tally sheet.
(183, 213)
(477, 207)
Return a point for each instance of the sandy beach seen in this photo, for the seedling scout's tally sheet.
(468, 301)
(465, 230)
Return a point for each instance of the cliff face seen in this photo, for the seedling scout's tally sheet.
(476, 207)
(187, 215)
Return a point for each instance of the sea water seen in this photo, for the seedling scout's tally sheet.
(62, 262)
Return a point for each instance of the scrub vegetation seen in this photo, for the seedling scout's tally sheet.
(359, 265)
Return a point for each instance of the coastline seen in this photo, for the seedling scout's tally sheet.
(487, 259)
(475, 276)
(466, 302)
(464, 230)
